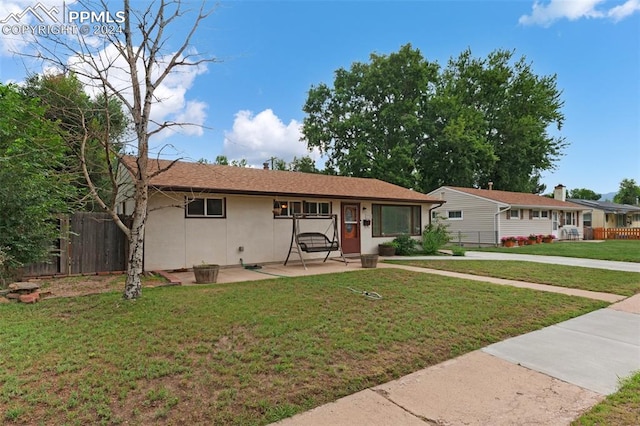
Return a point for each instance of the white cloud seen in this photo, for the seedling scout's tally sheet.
(170, 97)
(260, 137)
(554, 10)
(622, 11)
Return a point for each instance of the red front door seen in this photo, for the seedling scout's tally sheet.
(350, 228)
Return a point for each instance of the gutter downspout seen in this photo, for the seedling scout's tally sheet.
(496, 222)
(433, 208)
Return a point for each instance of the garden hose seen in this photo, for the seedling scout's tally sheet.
(368, 294)
(256, 268)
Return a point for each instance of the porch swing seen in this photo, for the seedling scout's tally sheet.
(314, 242)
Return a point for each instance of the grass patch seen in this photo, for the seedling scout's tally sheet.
(620, 408)
(616, 282)
(248, 353)
(620, 250)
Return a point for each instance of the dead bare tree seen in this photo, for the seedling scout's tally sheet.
(129, 65)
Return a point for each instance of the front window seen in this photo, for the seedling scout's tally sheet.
(289, 208)
(586, 219)
(393, 220)
(535, 214)
(205, 207)
(514, 214)
(313, 207)
(569, 218)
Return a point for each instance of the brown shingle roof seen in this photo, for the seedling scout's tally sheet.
(520, 199)
(239, 180)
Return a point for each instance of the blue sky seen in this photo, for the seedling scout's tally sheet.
(272, 52)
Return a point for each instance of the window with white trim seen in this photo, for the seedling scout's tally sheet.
(316, 207)
(544, 214)
(514, 214)
(586, 219)
(535, 214)
(454, 214)
(289, 208)
(205, 207)
(569, 218)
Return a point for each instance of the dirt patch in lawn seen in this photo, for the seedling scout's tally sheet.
(88, 284)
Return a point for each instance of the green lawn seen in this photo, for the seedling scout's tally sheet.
(621, 250)
(247, 353)
(616, 282)
(620, 408)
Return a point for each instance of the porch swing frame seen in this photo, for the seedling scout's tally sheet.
(314, 242)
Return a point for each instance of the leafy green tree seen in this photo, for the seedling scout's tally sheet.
(239, 163)
(82, 120)
(372, 120)
(518, 107)
(279, 164)
(402, 119)
(304, 164)
(34, 186)
(222, 160)
(584, 194)
(629, 193)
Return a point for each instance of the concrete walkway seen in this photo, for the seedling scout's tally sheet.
(557, 260)
(547, 377)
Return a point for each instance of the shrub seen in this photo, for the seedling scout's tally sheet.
(405, 245)
(434, 237)
(458, 251)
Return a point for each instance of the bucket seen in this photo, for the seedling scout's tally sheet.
(369, 260)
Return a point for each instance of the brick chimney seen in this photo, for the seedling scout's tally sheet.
(560, 193)
(490, 186)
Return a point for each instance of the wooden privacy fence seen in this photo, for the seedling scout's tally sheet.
(616, 233)
(89, 243)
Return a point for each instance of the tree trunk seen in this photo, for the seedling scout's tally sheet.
(133, 284)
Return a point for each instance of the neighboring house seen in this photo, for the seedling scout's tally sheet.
(221, 214)
(484, 216)
(605, 214)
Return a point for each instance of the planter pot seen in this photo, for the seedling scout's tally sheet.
(369, 260)
(509, 243)
(520, 243)
(206, 273)
(386, 250)
(547, 240)
(532, 242)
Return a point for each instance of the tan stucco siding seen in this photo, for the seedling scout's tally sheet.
(165, 236)
(174, 241)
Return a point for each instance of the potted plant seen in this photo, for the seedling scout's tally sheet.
(387, 249)
(508, 241)
(533, 239)
(206, 273)
(522, 240)
(548, 238)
